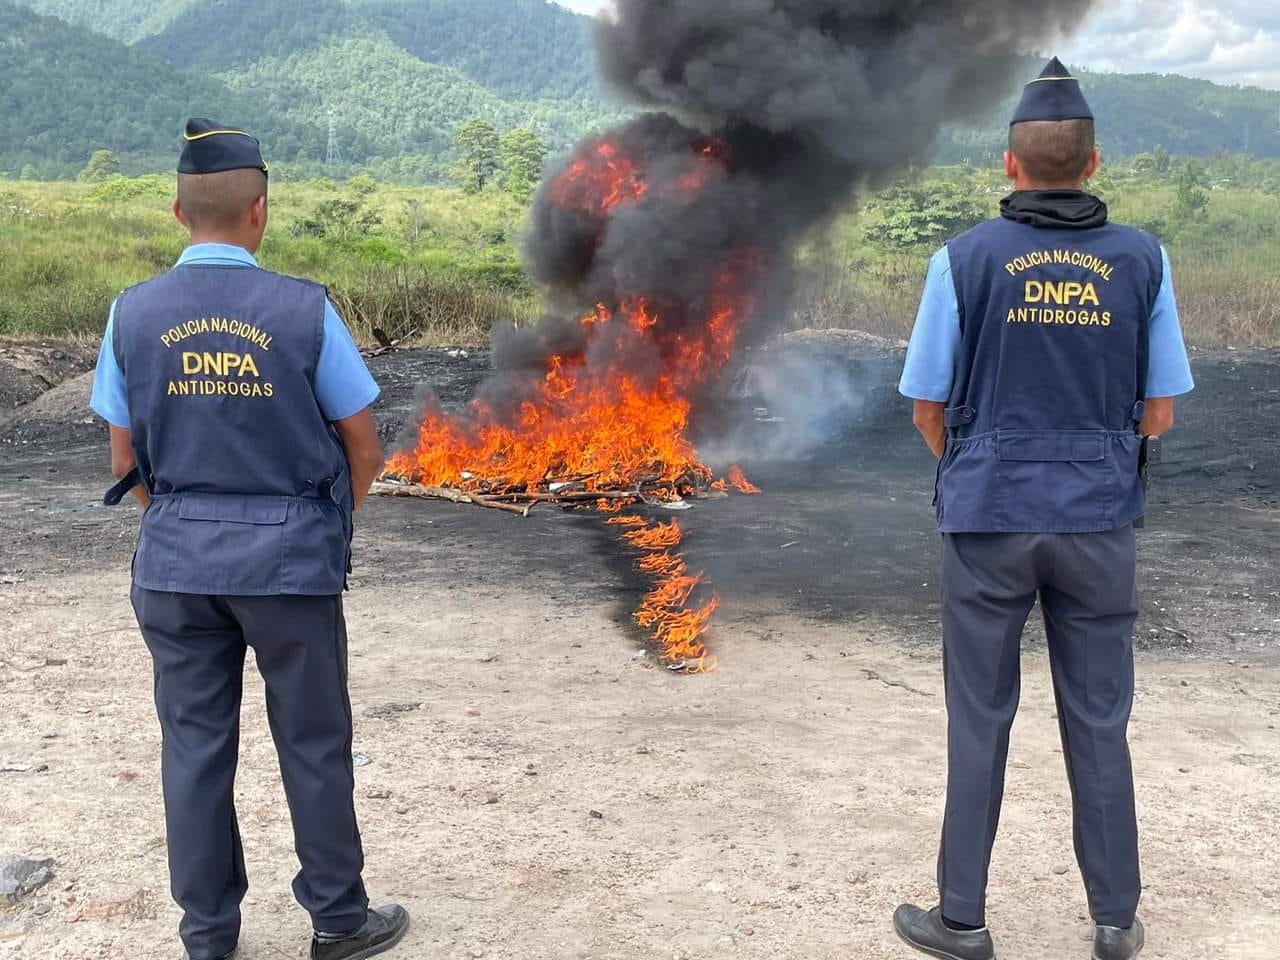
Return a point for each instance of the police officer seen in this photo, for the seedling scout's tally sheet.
(239, 414)
(1047, 345)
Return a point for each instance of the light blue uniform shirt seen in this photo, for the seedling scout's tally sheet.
(343, 384)
(935, 342)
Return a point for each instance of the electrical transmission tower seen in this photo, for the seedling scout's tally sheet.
(333, 156)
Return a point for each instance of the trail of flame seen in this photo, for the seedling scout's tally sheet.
(674, 626)
(657, 537)
(679, 631)
(672, 593)
(662, 563)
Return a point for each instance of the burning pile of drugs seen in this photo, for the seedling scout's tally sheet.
(666, 245)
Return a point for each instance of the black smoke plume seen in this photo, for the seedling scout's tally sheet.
(766, 116)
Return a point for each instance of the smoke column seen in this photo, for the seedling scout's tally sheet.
(767, 116)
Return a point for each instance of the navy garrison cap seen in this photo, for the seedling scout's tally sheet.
(1054, 95)
(210, 147)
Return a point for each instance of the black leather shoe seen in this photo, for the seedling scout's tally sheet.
(1113, 943)
(235, 952)
(385, 928)
(925, 931)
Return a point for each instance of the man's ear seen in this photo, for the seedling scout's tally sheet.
(1095, 162)
(1011, 169)
(179, 215)
(258, 214)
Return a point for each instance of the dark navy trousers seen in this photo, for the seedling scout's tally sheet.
(1086, 586)
(198, 646)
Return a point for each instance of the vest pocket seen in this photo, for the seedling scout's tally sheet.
(1055, 479)
(231, 543)
(258, 511)
(1051, 446)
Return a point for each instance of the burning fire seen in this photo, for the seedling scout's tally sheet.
(611, 427)
(677, 628)
(740, 482)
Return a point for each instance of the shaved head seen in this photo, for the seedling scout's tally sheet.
(220, 201)
(1053, 151)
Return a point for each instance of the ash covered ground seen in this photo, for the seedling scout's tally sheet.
(536, 788)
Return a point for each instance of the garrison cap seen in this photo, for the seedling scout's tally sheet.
(1054, 95)
(211, 147)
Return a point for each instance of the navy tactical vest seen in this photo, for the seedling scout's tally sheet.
(249, 483)
(1051, 381)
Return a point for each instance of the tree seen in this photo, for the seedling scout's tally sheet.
(927, 212)
(1160, 160)
(413, 216)
(1192, 200)
(478, 143)
(340, 219)
(28, 173)
(102, 166)
(523, 157)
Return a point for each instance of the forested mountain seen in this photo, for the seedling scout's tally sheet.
(402, 76)
(1137, 112)
(65, 91)
(125, 20)
(523, 49)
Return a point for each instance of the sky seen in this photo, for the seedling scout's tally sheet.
(1227, 41)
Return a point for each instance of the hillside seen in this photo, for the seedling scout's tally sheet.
(124, 20)
(1137, 112)
(401, 76)
(65, 91)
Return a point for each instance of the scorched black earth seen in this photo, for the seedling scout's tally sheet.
(843, 532)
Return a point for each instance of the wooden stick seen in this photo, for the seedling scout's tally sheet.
(499, 505)
(569, 496)
(444, 493)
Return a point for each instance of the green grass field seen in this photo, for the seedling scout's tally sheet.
(445, 263)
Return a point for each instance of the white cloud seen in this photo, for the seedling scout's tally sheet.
(583, 6)
(1228, 41)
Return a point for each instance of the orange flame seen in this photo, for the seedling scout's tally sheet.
(608, 425)
(657, 537)
(662, 563)
(740, 481)
(672, 593)
(612, 426)
(599, 180)
(626, 521)
(678, 633)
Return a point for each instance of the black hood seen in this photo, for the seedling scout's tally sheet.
(1061, 209)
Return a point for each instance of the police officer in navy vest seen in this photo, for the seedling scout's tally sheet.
(239, 415)
(1047, 345)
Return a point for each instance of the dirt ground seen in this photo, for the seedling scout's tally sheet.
(537, 787)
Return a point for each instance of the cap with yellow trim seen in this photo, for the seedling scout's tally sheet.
(209, 147)
(1054, 95)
